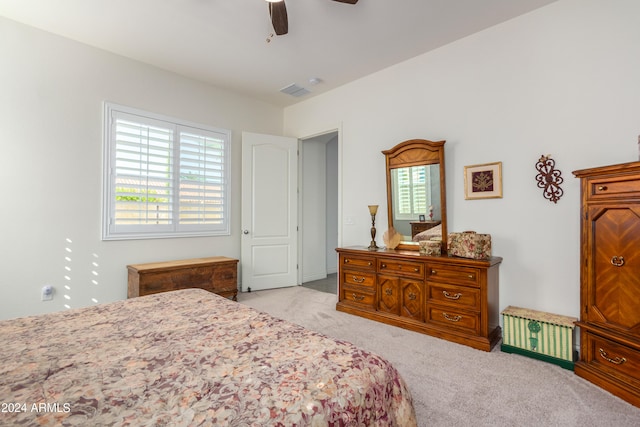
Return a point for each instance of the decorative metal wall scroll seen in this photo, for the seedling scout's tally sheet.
(549, 178)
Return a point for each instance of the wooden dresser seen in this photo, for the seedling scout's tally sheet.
(215, 274)
(451, 298)
(610, 279)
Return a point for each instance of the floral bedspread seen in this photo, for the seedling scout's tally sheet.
(433, 232)
(189, 358)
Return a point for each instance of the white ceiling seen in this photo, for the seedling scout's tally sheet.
(224, 42)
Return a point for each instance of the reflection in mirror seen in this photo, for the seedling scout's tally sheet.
(415, 194)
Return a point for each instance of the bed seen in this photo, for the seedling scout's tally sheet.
(189, 358)
(434, 232)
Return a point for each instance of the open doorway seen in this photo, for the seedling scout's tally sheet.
(318, 200)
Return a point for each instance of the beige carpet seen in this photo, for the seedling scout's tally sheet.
(454, 385)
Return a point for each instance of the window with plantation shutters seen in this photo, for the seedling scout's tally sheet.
(412, 188)
(163, 178)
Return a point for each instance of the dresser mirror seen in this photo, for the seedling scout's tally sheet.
(416, 196)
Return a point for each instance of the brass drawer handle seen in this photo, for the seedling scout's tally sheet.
(346, 261)
(358, 279)
(357, 297)
(434, 272)
(412, 296)
(471, 276)
(618, 261)
(615, 361)
(416, 269)
(602, 188)
(388, 291)
(452, 319)
(448, 295)
(383, 265)
(369, 264)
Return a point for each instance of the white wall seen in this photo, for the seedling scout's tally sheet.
(50, 167)
(562, 80)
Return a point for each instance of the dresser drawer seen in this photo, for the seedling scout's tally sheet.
(401, 267)
(454, 296)
(359, 278)
(613, 357)
(467, 276)
(358, 296)
(614, 187)
(452, 318)
(362, 263)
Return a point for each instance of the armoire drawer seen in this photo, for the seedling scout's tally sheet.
(614, 187)
(454, 274)
(401, 267)
(612, 356)
(455, 296)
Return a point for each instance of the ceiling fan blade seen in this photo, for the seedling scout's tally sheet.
(279, 20)
(347, 1)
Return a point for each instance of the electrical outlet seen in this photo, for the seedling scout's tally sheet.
(47, 293)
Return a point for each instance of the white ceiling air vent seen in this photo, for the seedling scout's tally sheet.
(295, 90)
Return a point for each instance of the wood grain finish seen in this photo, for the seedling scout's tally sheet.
(610, 279)
(447, 297)
(214, 274)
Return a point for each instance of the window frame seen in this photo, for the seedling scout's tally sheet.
(174, 229)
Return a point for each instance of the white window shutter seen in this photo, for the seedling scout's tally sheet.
(202, 180)
(163, 178)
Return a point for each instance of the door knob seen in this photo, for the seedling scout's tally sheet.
(245, 231)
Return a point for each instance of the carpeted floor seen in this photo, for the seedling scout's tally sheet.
(454, 385)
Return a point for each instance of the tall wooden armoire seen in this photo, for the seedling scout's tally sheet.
(610, 279)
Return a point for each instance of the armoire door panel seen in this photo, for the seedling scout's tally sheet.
(616, 266)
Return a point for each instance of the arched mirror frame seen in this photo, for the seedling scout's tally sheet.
(417, 152)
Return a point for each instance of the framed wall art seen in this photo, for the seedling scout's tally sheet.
(483, 181)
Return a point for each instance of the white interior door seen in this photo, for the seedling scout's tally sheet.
(269, 211)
